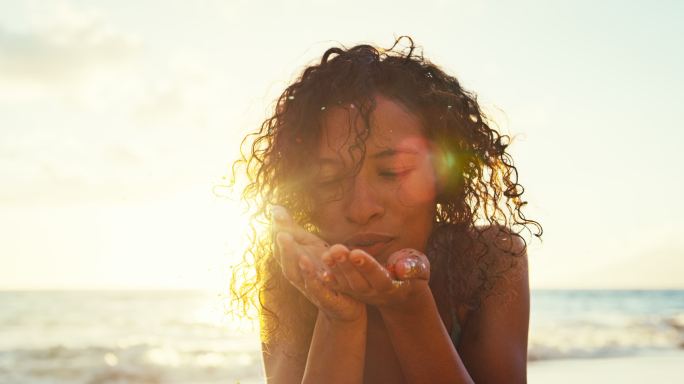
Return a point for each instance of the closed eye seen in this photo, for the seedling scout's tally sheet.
(392, 174)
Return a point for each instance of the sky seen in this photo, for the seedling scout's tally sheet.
(118, 119)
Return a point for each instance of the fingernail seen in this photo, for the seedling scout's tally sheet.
(339, 256)
(358, 261)
(411, 267)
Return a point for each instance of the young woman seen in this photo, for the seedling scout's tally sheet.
(395, 254)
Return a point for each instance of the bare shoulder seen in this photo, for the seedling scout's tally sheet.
(497, 330)
(506, 257)
(502, 240)
(496, 257)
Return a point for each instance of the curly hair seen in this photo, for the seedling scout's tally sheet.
(479, 184)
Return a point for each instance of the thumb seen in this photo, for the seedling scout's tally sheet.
(409, 264)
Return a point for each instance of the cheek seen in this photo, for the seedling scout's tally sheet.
(421, 194)
(419, 189)
(327, 217)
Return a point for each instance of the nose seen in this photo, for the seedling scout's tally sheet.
(363, 204)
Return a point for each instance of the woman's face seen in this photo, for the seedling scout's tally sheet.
(390, 203)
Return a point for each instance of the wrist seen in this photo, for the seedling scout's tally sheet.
(419, 299)
(336, 323)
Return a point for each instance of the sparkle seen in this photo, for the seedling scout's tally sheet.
(396, 284)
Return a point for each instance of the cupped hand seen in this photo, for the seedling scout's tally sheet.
(359, 275)
(299, 253)
(309, 244)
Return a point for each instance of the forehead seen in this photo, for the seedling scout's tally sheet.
(392, 126)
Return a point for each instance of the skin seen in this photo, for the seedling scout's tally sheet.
(378, 320)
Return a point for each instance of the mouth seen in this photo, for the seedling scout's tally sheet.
(371, 243)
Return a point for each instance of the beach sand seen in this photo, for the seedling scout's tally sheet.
(662, 368)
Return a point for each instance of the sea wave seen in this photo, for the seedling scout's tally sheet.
(137, 364)
(124, 337)
(164, 363)
(597, 339)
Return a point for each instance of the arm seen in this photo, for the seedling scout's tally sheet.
(494, 344)
(336, 354)
(337, 350)
(494, 348)
(416, 331)
(421, 341)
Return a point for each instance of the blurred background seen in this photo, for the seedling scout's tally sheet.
(118, 120)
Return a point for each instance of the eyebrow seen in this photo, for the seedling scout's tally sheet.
(393, 152)
(386, 153)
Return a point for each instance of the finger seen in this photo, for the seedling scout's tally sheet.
(412, 268)
(326, 273)
(282, 221)
(407, 264)
(289, 258)
(357, 282)
(333, 257)
(377, 276)
(319, 294)
(308, 243)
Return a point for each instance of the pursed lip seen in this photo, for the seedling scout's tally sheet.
(370, 242)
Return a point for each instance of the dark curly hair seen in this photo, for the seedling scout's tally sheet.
(479, 184)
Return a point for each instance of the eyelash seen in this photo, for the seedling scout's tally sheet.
(392, 175)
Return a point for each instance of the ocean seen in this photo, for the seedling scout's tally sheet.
(104, 337)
